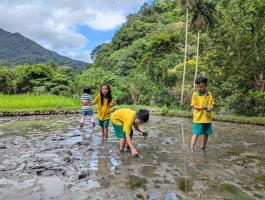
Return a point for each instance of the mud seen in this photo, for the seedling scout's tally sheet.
(50, 157)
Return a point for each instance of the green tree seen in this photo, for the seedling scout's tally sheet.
(100, 55)
(202, 14)
(60, 84)
(160, 47)
(30, 76)
(7, 81)
(239, 46)
(66, 70)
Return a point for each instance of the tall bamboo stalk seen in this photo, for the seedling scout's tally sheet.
(185, 53)
(197, 59)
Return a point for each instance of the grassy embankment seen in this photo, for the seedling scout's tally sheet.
(29, 102)
(21, 103)
(188, 114)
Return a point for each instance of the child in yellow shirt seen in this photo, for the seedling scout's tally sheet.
(123, 120)
(105, 103)
(202, 103)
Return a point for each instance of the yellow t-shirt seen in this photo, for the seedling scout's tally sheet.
(125, 117)
(103, 110)
(198, 99)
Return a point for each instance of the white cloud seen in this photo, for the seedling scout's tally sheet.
(84, 56)
(53, 23)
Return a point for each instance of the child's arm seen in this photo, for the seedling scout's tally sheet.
(112, 104)
(200, 107)
(193, 104)
(210, 108)
(129, 142)
(96, 100)
(211, 103)
(139, 129)
(144, 133)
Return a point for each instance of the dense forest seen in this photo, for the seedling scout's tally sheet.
(156, 54)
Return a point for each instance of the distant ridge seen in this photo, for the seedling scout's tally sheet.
(15, 49)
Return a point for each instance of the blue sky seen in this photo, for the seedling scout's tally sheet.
(70, 28)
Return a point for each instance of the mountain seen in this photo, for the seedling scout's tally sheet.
(15, 49)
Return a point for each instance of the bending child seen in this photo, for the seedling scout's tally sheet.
(123, 120)
(202, 103)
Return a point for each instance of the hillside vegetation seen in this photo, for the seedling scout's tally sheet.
(144, 63)
(147, 54)
(15, 49)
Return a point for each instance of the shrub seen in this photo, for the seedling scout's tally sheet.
(250, 104)
(164, 110)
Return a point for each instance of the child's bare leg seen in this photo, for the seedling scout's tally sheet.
(105, 131)
(92, 120)
(82, 120)
(204, 140)
(122, 144)
(193, 142)
(102, 131)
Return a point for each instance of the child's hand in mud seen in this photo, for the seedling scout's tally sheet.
(145, 134)
(134, 153)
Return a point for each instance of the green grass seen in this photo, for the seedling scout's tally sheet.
(153, 109)
(40, 102)
(30, 102)
(188, 114)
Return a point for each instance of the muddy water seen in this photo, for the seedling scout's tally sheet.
(45, 157)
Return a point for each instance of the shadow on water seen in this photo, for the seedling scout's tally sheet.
(49, 157)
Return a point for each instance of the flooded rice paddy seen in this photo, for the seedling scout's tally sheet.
(50, 157)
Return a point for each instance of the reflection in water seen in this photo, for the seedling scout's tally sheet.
(171, 196)
(93, 165)
(114, 163)
(182, 134)
(185, 187)
(103, 164)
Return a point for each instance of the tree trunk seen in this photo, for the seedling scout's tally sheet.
(134, 93)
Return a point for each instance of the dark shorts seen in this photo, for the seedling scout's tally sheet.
(119, 133)
(199, 129)
(87, 112)
(104, 123)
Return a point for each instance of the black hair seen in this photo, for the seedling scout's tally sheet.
(109, 96)
(201, 79)
(143, 115)
(87, 90)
